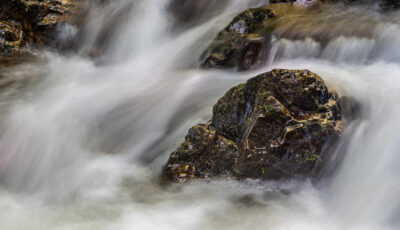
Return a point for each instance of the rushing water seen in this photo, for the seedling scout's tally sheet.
(83, 143)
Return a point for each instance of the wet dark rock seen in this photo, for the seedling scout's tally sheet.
(390, 4)
(254, 37)
(279, 125)
(11, 36)
(24, 22)
(241, 43)
(245, 42)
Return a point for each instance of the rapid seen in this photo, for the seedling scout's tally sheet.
(83, 140)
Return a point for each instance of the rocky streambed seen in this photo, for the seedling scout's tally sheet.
(293, 109)
(282, 124)
(279, 125)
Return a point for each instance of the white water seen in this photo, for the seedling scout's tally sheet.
(83, 147)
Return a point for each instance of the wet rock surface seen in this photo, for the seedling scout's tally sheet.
(258, 35)
(241, 43)
(246, 42)
(11, 36)
(279, 125)
(24, 22)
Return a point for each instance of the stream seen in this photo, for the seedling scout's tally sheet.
(83, 144)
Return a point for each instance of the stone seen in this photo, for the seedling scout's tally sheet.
(24, 22)
(241, 43)
(252, 39)
(279, 125)
(11, 36)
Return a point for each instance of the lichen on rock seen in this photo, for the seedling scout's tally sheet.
(279, 125)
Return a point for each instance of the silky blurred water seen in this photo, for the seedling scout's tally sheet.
(84, 139)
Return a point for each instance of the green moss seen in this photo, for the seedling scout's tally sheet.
(180, 153)
(221, 107)
(260, 15)
(185, 145)
(238, 90)
(318, 105)
(314, 158)
(237, 100)
(241, 87)
(236, 172)
(252, 27)
(268, 108)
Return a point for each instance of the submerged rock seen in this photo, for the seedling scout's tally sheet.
(278, 125)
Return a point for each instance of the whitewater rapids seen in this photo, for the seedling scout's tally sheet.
(82, 145)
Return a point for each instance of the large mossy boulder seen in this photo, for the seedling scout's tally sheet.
(279, 125)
